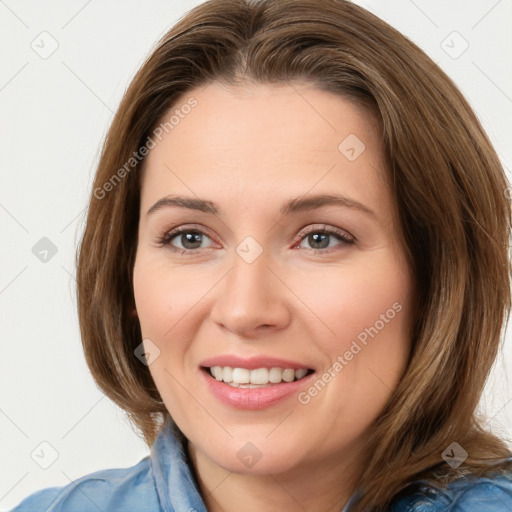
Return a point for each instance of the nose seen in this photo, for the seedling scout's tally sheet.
(252, 299)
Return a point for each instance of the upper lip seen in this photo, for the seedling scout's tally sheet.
(251, 363)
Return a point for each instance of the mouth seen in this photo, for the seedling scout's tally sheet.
(237, 377)
(256, 382)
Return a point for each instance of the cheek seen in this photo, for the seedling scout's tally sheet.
(364, 333)
(163, 299)
(363, 321)
(154, 301)
(163, 296)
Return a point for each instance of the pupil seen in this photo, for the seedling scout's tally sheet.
(191, 238)
(315, 238)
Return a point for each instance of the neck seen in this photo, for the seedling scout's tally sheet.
(324, 486)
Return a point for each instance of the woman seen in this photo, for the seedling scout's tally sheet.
(294, 274)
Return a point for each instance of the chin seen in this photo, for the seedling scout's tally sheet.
(256, 455)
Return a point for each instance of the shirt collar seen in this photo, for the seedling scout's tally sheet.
(174, 481)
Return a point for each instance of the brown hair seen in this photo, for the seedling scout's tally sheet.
(450, 191)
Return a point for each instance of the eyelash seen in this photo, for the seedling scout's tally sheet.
(167, 237)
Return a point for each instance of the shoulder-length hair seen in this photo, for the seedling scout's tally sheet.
(449, 187)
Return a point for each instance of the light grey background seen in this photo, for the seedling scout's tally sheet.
(55, 110)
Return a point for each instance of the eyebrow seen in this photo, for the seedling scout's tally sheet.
(298, 204)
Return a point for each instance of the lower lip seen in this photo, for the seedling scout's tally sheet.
(255, 398)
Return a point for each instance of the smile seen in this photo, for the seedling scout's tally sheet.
(258, 377)
(258, 387)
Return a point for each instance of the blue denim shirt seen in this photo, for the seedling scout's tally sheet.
(163, 482)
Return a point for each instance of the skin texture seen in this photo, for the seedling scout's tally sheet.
(250, 149)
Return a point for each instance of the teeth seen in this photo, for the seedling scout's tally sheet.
(227, 374)
(288, 375)
(240, 375)
(300, 373)
(274, 375)
(260, 377)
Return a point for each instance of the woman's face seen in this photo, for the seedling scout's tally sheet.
(267, 289)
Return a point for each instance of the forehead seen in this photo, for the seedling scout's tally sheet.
(262, 138)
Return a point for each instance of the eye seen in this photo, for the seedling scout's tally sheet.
(189, 237)
(318, 238)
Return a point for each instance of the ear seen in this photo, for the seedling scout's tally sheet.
(134, 313)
